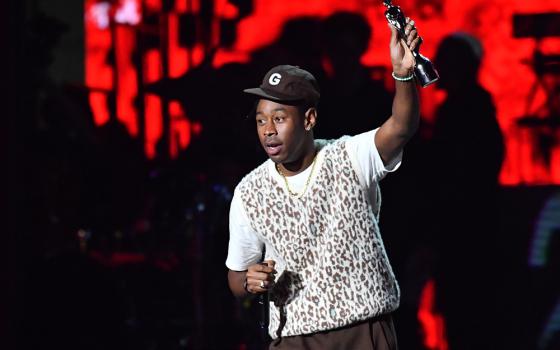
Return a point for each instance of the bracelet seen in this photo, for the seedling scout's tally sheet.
(396, 77)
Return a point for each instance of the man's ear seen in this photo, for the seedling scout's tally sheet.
(310, 118)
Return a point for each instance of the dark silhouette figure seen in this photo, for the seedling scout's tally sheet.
(408, 242)
(349, 91)
(299, 44)
(227, 146)
(467, 155)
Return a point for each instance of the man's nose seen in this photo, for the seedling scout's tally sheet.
(270, 129)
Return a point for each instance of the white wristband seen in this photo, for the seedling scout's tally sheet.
(396, 77)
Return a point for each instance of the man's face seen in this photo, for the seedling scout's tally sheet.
(281, 131)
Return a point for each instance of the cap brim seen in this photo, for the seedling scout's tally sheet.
(276, 97)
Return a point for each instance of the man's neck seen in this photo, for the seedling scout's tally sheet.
(296, 167)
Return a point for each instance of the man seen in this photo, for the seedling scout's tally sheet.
(313, 208)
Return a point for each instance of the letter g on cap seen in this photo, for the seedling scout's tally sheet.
(274, 79)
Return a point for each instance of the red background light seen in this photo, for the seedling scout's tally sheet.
(503, 71)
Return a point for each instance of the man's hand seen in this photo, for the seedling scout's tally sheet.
(257, 279)
(401, 48)
(260, 277)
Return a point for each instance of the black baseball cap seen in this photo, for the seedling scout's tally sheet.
(288, 84)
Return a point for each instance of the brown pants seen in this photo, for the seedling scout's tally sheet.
(374, 334)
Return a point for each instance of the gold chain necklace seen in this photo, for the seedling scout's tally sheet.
(292, 193)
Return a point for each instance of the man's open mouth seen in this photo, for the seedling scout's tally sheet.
(273, 148)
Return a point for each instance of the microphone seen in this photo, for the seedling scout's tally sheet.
(263, 300)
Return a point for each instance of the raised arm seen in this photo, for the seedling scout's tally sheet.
(403, 123)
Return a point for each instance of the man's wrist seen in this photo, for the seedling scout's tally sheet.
(402, 72)
(403, 78)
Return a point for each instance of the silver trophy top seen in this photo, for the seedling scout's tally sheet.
(395, 16)
(424, 69)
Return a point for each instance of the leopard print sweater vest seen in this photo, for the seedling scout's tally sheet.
(332, 266)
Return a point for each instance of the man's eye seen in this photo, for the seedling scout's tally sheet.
(260, 121)
(278, 119)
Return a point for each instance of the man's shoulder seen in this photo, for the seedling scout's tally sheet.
(331, 144)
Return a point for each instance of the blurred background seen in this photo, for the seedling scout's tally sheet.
(127, 131)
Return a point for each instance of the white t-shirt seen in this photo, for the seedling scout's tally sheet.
(245, 246)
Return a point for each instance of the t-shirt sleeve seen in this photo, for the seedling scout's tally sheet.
(245, 247)
(366, 158)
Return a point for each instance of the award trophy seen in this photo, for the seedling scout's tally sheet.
(424, 69)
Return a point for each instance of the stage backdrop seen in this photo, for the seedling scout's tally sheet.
(132, 43)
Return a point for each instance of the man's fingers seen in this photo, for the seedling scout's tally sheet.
(261, 268)
(270, 263)
(409, 25)
(259, 285)
(404, 45)
(410, 31)
(260, 276)
(415, 43)
(411, 36)
(394, 35)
